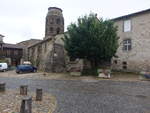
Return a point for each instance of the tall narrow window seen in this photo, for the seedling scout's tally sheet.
(45, 47)
(58, 30)
(51, 21)
(127, 45)
(124, 65)
(127, 26)
(51, 29)
(58, 21)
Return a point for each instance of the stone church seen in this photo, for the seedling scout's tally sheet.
(49, 54)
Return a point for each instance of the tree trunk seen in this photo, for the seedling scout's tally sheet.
(94, 64)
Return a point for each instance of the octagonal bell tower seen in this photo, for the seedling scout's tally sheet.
(54, 22)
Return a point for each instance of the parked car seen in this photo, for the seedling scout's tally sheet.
(25, 68)
(3, 67)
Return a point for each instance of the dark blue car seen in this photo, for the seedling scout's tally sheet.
(25, 68)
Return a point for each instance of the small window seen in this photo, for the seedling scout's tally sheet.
(58, 21)
(51, 21)
(127, 45)
(45, 47)
(58, 30)
(51, 29)
(127, 26)
(124, 65)
(115, 61)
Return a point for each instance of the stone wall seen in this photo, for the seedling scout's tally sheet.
(38, 52)
(54, 22)
(25, 45)
(138, 58)
(49, 54)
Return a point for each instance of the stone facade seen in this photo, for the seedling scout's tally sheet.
(135, 57)
(54, 22)
(25, 45)
(49, 54)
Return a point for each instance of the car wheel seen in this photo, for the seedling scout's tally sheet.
(34, 70)
(17, 72)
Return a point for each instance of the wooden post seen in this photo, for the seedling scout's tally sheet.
(39, 94)
(2, 87)
(23, 90)
(26, 105)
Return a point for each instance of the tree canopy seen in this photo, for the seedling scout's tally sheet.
(92, 39)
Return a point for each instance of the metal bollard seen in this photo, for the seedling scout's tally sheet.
(26, 105)
(23, 90)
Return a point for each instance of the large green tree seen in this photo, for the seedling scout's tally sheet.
(92, 39)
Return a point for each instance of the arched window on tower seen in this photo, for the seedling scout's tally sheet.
(58, 21)
(52, 21)
(58, 30)
(51, 29)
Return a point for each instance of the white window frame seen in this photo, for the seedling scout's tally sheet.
(127, 45)
(127, 25)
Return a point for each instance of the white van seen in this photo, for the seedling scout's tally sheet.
(3, 66)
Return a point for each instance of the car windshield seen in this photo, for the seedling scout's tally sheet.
(24, 65)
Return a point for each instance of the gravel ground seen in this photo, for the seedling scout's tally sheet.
(10, 102)
(91, 96)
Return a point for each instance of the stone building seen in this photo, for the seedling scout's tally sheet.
(48, 54)
(25, 45)
(134, 43)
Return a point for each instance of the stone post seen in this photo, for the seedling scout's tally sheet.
(26, 105)
(2, 87)
(39, 94)
(23, 90)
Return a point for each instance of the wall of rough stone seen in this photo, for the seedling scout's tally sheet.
(49, 55)
(138, 58)
(25, 45)
(38, 53)
(54, 22)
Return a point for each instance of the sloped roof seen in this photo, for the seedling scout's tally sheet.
(132, 14)
(14, 46)
(30, 40)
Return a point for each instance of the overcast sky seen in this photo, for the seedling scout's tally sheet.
(25, 19)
